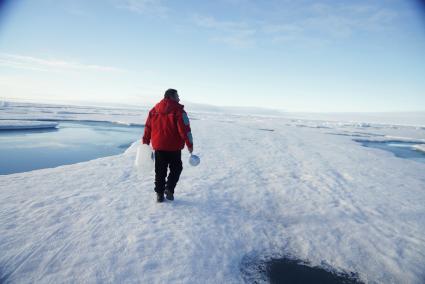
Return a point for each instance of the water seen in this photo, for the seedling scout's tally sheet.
(399, 149)
(72, 142)
(292, 271)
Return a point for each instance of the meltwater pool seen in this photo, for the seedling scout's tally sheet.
(69, 143)
(400, 149)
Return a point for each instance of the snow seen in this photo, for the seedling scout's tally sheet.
(388, 118)
(309, 192)
(25, 124)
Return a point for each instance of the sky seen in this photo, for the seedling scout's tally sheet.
(319, 56)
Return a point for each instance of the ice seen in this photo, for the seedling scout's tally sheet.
(25, 124)
(44, 112)
(420, 147)
(293, 191)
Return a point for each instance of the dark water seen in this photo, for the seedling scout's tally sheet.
(403, 150)
(255, 269)
(71, 142)
(294, 272)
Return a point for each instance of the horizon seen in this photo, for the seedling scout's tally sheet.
(192, 104)
(304, 56)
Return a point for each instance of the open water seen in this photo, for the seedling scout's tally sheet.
(71, 142)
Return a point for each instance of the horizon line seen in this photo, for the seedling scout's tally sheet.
(147, 104)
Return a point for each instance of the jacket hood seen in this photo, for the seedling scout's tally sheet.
(167, 105)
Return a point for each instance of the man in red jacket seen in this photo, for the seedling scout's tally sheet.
(168, 127)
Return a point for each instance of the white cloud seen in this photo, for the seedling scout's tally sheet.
(212, 23)
(340, 21)
(41, 64)
(315, 23)
(281, 28)
(233, 33)
(147, 7)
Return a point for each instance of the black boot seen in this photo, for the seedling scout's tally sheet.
(159, 197)
(169, 195)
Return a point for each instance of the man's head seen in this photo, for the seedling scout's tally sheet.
(172, 94)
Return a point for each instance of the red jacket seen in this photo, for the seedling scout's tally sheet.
(168, 127)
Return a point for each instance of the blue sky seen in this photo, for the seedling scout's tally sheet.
(293, 55)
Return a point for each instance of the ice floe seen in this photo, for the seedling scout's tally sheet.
(26, 124)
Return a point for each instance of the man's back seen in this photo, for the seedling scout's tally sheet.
(167, 126)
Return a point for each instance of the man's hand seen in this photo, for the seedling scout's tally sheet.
(190, 149)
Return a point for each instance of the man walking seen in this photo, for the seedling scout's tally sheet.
(168, 127)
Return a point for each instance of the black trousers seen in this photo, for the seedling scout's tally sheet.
(163, 160)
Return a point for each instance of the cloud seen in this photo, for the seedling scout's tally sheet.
(211, 22)
(233, 33)
(341, 21)
(147, 7)
(41, 64)
(315, 23)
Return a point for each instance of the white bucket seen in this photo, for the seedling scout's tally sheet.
(145, 161)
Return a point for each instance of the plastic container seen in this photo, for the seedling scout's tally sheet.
(145, 159)
(194, 160)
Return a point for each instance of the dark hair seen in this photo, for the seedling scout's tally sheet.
(170, 94)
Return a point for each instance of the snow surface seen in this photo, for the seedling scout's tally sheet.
(266, 187)
(25, 124)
